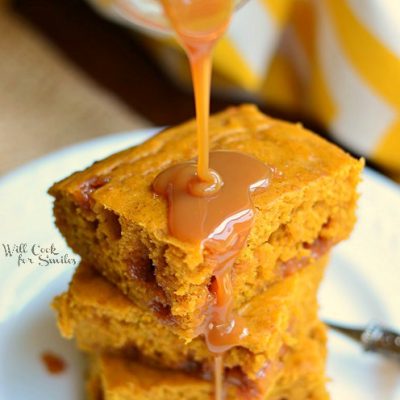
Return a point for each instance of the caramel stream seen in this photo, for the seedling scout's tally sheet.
(209, 200)
(199, 24)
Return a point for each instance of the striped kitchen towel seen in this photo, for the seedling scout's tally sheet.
(335, 60)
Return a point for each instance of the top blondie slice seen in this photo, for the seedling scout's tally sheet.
(110, 216)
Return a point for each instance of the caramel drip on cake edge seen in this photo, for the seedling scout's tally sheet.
(219, 222)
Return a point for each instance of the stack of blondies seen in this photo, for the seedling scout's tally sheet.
(138, 297)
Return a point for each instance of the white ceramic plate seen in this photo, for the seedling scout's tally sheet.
(362, 284)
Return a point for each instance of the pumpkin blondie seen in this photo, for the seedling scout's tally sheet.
(110, 216)
(103, 320)
(301, 377)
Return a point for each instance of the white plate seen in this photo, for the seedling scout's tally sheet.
(362, 283)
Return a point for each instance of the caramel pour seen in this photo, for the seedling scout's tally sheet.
(210, 206)
(199, 24)
(219, 221)
(218, 376)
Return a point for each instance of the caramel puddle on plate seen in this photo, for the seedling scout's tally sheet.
(53, 363)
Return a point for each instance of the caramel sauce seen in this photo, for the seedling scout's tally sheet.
(199, 24)
(83, 196)
(218, 377)
(221, 217)
(209, 200)
(219, 222)
(54, 364)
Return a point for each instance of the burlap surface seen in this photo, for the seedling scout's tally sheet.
(45, 102)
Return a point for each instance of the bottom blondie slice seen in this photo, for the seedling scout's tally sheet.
(103, 320)
(301, 377)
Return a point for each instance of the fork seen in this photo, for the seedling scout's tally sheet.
(373, 337)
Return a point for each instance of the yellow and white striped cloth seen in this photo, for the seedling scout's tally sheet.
(335, 60)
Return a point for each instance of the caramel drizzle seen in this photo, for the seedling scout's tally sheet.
(219, 221)
(211, 206)
(199, 24)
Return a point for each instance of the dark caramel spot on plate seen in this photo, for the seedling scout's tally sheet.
(53, 363)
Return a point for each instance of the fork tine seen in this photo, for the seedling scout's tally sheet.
(373, 337)
(351, 332)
